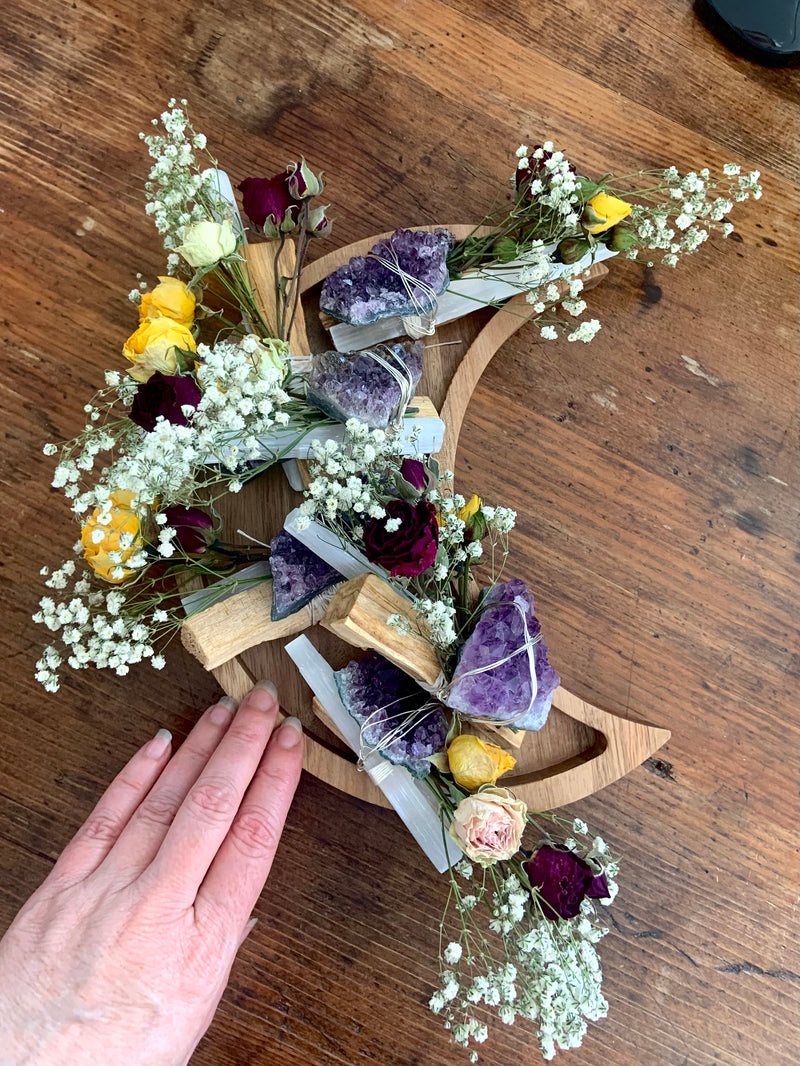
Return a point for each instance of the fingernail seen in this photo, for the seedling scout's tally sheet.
(159, 744)
(222, 711)
(267, 686)
(289, 733)
(248, 929)
(264, 695)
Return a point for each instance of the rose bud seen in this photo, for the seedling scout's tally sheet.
(488, 826)
(562, 880)
(206, 242)
(572, 249)
(156, 346)
(164, 396)
(319, 225)
(302, 182)
(268, 205)
(474, 763)
(171, 298)
(622, 239)
(194, 529)
(409, 549)
(603, 211)
(414, 472)
(121, 536)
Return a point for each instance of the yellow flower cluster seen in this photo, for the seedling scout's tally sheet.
(166, 316)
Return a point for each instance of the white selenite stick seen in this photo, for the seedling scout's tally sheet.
(412, 800)
(225, 189)
(492, 284)
(418, 436)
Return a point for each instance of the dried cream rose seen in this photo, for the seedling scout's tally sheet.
(206, 242)
(488, 826)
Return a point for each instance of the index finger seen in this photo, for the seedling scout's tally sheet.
(241, 866)
(211, 804)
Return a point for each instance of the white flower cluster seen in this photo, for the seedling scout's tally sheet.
(555, 185)
(95, 629)
(345, 474)
(242, 401)
(243, 398)
(694, 204)
(180, 193)
(546, 972)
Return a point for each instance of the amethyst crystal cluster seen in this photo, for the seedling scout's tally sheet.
(298, 575)
(387, 705)
(366, 289)
(357, 385)
(503, 692)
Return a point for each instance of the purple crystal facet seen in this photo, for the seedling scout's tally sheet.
(355, 385)
(504, 692)
(387, 704)
(298, 575)
(365, 289)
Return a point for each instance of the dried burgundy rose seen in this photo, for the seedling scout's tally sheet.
(410, 549)
(563, 880)
(193, 528)
(414, 472)
(268, 204)
(165, 396)
(536, 169)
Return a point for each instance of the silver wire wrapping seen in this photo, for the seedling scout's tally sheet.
(423, 323)
(402, 376)
(440, 690)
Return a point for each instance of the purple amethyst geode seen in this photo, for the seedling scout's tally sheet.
(503, 693)
(298, 575)
(355, 385)
(365, 289)
(388, 706)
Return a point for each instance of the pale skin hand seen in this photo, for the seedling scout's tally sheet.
(122, 955)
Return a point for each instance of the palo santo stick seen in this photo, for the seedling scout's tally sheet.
(227, 628)
(359, 613)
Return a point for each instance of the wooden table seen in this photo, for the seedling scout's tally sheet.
(655, 473)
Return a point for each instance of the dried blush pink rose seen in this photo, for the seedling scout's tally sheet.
(488, 826)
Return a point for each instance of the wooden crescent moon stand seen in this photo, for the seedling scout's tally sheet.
(580, 750)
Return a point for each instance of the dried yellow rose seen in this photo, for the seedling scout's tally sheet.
(474, 763)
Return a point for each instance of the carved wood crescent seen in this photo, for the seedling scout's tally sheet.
(580, 750)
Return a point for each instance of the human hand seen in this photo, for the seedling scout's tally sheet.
(122, 955)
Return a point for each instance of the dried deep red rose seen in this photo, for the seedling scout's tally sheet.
(193, 528)
(410, 549)
(164, 395)
(268, 200)
(536, 169)
(564, 880)
(414, 472)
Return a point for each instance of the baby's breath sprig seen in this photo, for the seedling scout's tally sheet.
(503, 950)
(558, 220)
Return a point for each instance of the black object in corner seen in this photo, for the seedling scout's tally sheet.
(766, 31)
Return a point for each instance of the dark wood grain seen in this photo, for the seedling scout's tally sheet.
(654, 471)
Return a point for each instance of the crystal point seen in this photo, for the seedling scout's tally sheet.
(298, 575)
(503, 693)
(358, 385)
